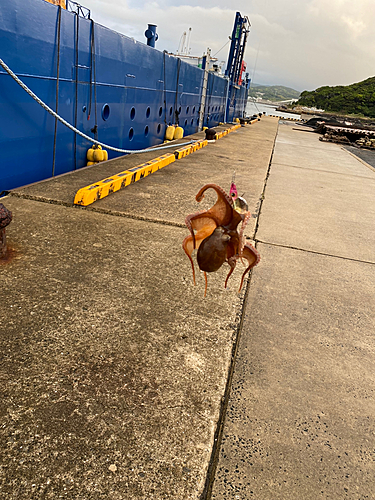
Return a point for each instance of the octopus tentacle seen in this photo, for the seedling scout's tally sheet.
(232, 261)
(200, 221)
(188, 247)
(252, 256)
(190, 217)
(246, 219)
(223, 208)
(191, 243)
(219, 190)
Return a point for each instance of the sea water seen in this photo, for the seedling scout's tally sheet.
(254, 108)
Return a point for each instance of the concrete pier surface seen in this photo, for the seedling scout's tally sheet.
(301, 415)
(113, 364)
(120, 381)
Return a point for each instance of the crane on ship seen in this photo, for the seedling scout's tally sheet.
(235, 66)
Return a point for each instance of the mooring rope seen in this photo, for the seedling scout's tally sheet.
(57, 87)
(64, 122)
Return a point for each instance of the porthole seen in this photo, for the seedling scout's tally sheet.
(148, 112)
(193, 110)
(179, 110)
(192, 121)
(187, 110)
(84, 109)
(131, 134)
(170, 111)
(132, 114)
(105, 112)
(160, 111)
(158, 129)
(146, 131)
(185, 123)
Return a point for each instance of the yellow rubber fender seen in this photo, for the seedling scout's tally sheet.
(178, 133)
(100, 154)
(91, 153)
(169, 133)
(103, 155)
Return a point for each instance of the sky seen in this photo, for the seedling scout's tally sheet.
(303, 44)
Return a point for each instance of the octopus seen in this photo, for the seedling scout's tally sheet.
(215, 235)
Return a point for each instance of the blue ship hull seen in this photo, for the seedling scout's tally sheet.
(135, 89)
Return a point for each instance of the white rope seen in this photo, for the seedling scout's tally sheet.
(47, 108)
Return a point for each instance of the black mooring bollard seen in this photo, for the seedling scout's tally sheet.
(5, 220)
(210, 134)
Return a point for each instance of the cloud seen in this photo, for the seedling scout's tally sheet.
(301, 44)
(210, 26)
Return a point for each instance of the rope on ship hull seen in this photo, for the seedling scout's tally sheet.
(76, 89)
(57, 88)
(64, 122)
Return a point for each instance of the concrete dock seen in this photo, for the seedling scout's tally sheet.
(120, 381)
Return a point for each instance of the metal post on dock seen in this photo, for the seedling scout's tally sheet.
(5, 220)
(205, 67)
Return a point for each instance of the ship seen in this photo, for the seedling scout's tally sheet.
(67, 82)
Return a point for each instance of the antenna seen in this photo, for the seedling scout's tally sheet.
(180, 49)
(183, 48)
(188, 42)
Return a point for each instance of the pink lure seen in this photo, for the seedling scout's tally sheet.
(233, 191)
(239, 204)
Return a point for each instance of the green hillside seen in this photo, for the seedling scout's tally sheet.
(274, 93)
(358, 98)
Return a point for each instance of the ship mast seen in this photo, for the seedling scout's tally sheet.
(237, 48)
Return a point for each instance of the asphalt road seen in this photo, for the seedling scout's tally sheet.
(364, 154)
